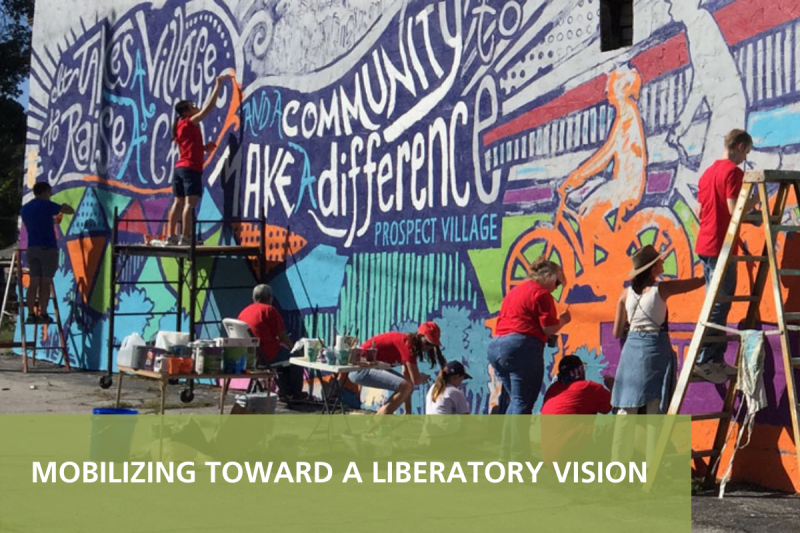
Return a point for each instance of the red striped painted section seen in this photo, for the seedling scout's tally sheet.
(738, 21)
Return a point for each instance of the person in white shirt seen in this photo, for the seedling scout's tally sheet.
(445, 397)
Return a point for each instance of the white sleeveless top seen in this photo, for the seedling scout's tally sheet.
(646, 312)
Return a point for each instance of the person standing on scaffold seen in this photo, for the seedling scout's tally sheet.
(187, 181)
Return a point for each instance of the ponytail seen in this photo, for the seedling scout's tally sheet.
(439, 387)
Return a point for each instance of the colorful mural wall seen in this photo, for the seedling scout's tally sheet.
(417, 155)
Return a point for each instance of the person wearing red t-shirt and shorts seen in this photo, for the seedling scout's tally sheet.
(187, 181)
(404, 349)
(717, 192)
(527, 319)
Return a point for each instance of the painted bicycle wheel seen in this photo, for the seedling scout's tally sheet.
(540, 241)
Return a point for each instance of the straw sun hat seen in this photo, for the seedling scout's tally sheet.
(644, 258)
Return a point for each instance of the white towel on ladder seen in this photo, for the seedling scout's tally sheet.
(750, 382)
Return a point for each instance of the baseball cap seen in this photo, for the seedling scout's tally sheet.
(455, 368)
(431, 332)
(569, 362)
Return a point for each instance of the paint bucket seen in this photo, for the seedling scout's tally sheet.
(112, 436)
(357, 355)
(312, 348)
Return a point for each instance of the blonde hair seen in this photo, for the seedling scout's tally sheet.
(542, 268)
(440, 385)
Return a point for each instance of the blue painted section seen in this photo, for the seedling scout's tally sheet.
(776, 127)
(322, 274)
(89, 216)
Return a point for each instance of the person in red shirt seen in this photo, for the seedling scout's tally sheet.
(572, 394)
(265, 322)
(187, 181)
(717, 192)
(527, 319)
(401, 349)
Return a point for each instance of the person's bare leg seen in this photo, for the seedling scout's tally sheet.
(397, 399)
(33, 290)
(188, 211)
(44, 295)
(174, 213)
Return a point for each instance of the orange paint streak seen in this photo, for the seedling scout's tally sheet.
(232, 120)
(126, 186)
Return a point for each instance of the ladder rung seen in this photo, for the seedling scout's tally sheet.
(788, 272)
(749, 258)
(784, 227)
(704, 453)
(727, 299)
(791, 316)
(711, 339)
(758, 217)
(795, 361)
(711, 416)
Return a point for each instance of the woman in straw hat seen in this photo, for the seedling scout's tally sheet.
(645, 377)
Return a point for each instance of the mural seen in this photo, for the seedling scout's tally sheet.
(419, 155)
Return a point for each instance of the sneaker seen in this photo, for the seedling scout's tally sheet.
(31, 319)
(45, 319)
(713, 372)
(158, 243)
(174, 240)
(730, 371)
(183, 241)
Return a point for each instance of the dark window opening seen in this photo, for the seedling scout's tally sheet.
(616, 24)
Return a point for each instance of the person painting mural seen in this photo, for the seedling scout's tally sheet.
(645, 378)
(38, 217)
(527, 319)
(718, 190)
(405, 349)
(187, 181)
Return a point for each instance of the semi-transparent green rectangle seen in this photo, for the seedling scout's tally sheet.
(433, 486)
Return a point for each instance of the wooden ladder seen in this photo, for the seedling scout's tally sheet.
(755, 182)
(16, 271)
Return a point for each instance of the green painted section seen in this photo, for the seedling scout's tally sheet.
(611, 219)
(204, 268)
(648, 236)
(110, 200)
(161, 295)
(600, 255)
(100, 300)
(689, 222)
(490, 263)
(534, 251)
(671, 265)
(72, 197)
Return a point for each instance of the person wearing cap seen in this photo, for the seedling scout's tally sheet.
(445, 397)
(266, 323)
(573, 394)
(400, 349)
(527, 319)
(645, 378)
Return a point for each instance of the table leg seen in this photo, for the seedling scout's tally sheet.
(329, 407)
(223, 391)
(163, 383)
(119, 389)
